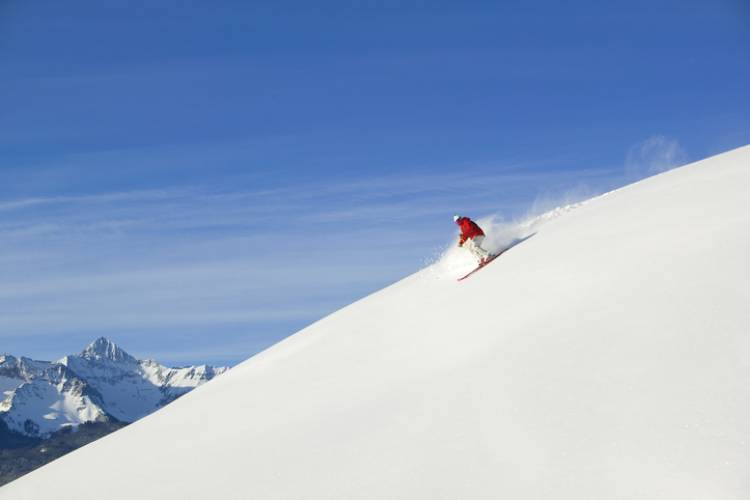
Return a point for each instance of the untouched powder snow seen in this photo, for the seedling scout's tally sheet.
(605, 357)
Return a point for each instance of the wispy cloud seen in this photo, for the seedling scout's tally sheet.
(91, 199)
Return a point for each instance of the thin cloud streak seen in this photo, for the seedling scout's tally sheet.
(191, 209)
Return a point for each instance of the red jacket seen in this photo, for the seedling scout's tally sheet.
(469, 229)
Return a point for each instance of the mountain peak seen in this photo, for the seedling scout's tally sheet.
(103, 348)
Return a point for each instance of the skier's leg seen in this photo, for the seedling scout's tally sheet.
(471, 247)
(475, 246)
(481, 251)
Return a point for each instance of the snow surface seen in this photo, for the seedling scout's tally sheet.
(605, 357)
(8, 384)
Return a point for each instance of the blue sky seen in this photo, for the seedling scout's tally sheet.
(197, 180)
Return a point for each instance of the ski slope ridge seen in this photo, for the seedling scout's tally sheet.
(606, 357)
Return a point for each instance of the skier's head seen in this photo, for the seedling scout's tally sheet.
(455, 218)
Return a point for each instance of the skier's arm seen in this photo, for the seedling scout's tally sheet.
(462, 235)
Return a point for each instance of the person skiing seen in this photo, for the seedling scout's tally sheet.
(472, 236)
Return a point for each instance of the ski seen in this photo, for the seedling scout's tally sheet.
(490, 259)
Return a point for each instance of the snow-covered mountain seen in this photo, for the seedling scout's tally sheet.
(43, 397)
(605, 357)
(100, 383)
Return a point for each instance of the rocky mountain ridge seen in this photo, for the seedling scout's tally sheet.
(101, 384)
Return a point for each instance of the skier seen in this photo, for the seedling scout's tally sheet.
(472, 236)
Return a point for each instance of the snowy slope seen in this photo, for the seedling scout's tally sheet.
(103, 381)
(605, 357)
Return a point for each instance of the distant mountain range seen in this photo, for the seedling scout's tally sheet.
(101, 384)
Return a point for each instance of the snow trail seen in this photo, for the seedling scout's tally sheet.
(500, 234)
